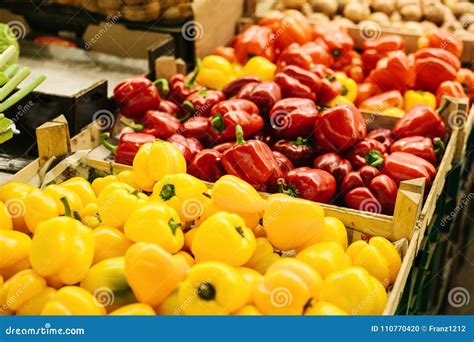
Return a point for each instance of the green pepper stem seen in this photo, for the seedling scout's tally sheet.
(439, 147)
(76, 215)
(188, 106)
(173, 225)
(167, 191)
(67, 207)
(206, 291)
(103, 140)
(444, 105)
(289, 190)
(197, 69)
(136, 127)
(217, 122)
(239, 135)
(374, 158)
(163, 86)
(188, 114)
(20, 94)
(300, 141)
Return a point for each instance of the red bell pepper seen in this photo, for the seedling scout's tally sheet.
(305, 56)
(226, 115)
(423, 147)
(376, 49)
(297, 82)
(254, 41)
(200, 103)
(359, 178)
(451, 89)
(224, 146)
(383, 135)
(207, 165)
(198, 127)
(227, 52)
(252, 160)
(339, 43)
(444, 40)
(264, 95)
(285, 164)
(339, 128)
(442, 54)
(330, 86)
(293, 117)
(288, 27)
(393, 72)
(334, 164)
(431, 72)
(355, 70)
(159, 124)
(381, 102)
(311, 184)
(401, 166)
(188, 147)
(366, 90)
(357, 154)
(169, 107)
(299, 152)
(232, 88)
(420, 120)
(129, 144)
(135, 96)
(361, 198)
(180, 87)
(466, 78)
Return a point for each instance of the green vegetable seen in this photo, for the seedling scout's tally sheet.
(7, 38)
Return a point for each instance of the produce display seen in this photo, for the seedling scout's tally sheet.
(281, 109)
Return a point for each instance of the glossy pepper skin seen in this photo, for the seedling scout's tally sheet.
(224, 237)
(444, 40)
(334, 164)
(466, 78)
(451, 89)
(438, 53)
(15, 248)
(135, 96)
(279, 209)
(11, 194)
(298, 151)
(431, 72)
(325, 257)
(251, 160)
(359, 178)
(155, 160)
(421, 120)
(340, 45)
(110, 242)
(128, 146)
(392, 72)
(264, 95)
(215, 72)
(384, 101)
(115, 204)
(6, 222)
(366, 90)
(305, 56)
(357, 155)
(169, 107)
(159, 124)
(422, 147)
(198, 127)
(163, 272)
(263, 257)
(227, 52)
(62, 247)
(189, 147)
(254, 41)
(260, 67)
(180, 87)
(383, 135)
(376, 49)
(39, 207)
(81, 187)
(233, 88)
(311, 184)
(207, 165)
(338, 128)
(330, 86)
(291, 118)
(285, 164)
(297, 82)
(200, 103)
(73, 300)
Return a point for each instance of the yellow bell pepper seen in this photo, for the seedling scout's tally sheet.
(349, 86)
(13, 195)
(235, 195)
(153, 273)
(287, 287)
(325, 257)
(224, 237)
(81, 187)
(252, 279)
(211, 207)
(157, 223)
(14, 251)
(333, 230)
(170, 306)
(137, 309)
(215, 72)
(64, 197)
(212, 288)
(355, 291)
(379, 257)
(414, 97)
(19, 289)
(291, 222)
(107, 282)
(188, 257)
(116, 202)
(184, 193)
(6, 222)
(188, 239)
(394, 112)
(90, 216)
(263, 257)
(247, 310)
(127, 177)
(39, 207)
(62, 247)
(324, 309)
(101, 182)
(154, 161)
(339, 100)
(73, 300)
(109, 243)
(35, 305)
(260, 67)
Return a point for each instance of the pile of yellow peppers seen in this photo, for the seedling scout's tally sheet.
(77, 248)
